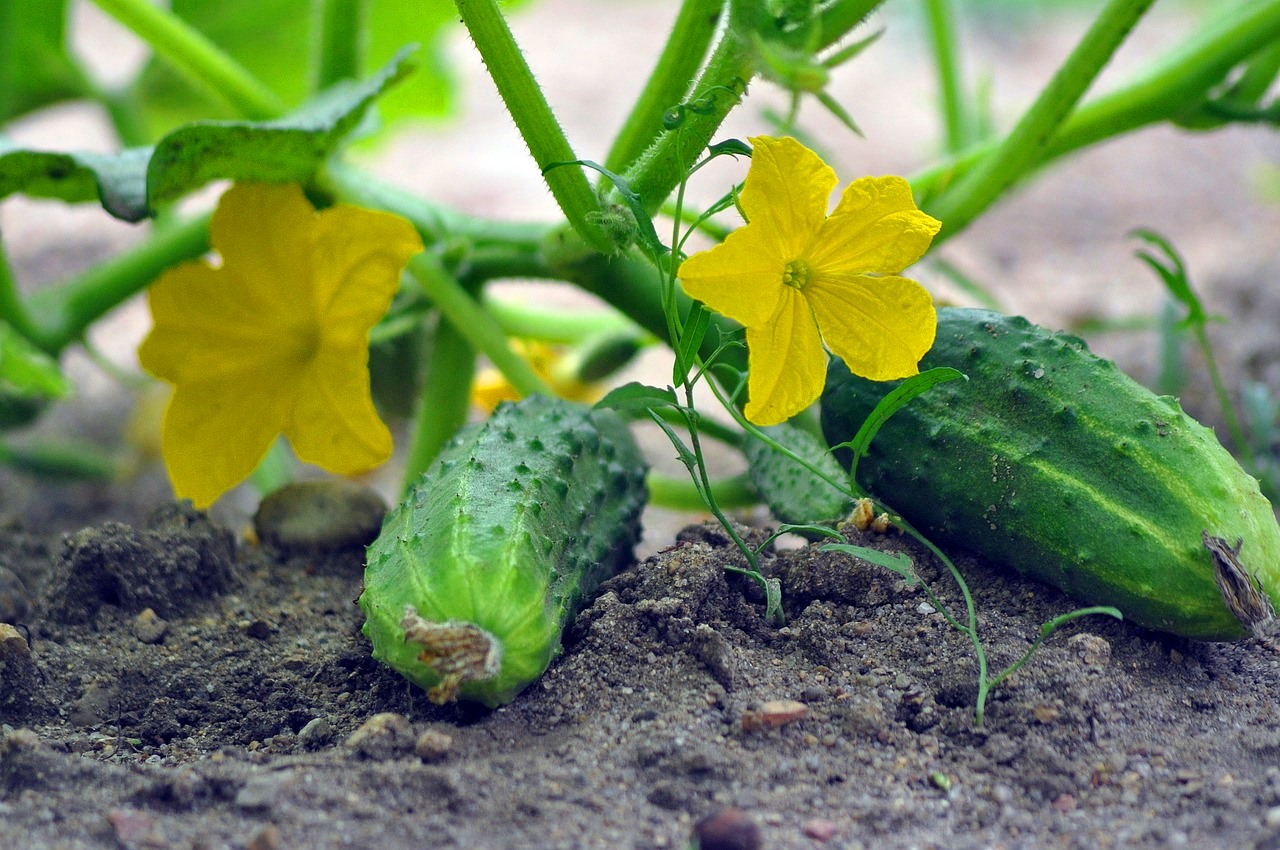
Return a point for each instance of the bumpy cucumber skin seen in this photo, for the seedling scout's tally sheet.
(792, 492)
(512, 528)
(1052, 461)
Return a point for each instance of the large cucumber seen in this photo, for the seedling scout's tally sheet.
(1051, 460)
(476, 574)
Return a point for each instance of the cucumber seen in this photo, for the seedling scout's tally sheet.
(1052, 461)
(793, 493)
(475, 575)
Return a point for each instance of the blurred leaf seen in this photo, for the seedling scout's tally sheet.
(131, 184)
(273, 40)
(35, 68)
(29, 378)
(636, 397)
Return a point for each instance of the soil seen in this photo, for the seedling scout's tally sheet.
(169, 681)
(185, 690)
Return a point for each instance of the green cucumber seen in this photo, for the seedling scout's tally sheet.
(793, 493)
(1052, 461)
(476, 574)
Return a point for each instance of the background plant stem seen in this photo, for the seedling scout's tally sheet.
(690, 38)
(339, 40)
(202, 61)
(446, 395)
(956, 118)
(1023, 148)
(532, 114)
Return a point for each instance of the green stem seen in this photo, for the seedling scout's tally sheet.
(436, 224)
(533, 117)
(679, 493)
(1173, 83)
(339, 40)
(12, 311)
(1224, 399)
(940, 17)
(200, 59)
(446, 394)
(475, 325)
(1024, 147)
(717, 90)
(557, 326)
(63, 312)
(690, 38)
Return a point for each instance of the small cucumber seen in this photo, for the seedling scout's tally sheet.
(792, 492)
(475, 575)
(1051, 460)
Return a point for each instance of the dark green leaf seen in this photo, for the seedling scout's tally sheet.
(896, 561)
(130, 185)
(635, 396)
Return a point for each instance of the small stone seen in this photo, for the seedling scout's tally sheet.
(1045, 713)
(926, 609)
(268, 838)
(12, 644)
(727, 829)
(1272, 818)
(383, 736)
(432, 745)
(316, 733)
(773, 714)
(716, 654)
(328, 515)
(1064, 803)
(259, 629)
(147, 626)
(1091, 649)
(96, 705)
(819, 829)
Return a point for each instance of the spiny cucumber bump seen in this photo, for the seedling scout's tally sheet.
(502, 539)
(1098, 485)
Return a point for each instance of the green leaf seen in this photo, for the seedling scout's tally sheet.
(29, 378)
(273, 40)
(131, 184)
(35, 68)
(287, 150)
(637, 397)
(889, 405)
(896, 561)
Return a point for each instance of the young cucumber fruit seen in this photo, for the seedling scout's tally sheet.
(1050, 460)
(499, 544)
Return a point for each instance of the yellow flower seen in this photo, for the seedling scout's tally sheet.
(491, 388)
(274, 339)
(796, 278)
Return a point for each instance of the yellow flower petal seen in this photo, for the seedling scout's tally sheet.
(786, 195)
(215, 432)
(875, 228)
(787, 364)
(879, 326)
(275, 338)
(246, 214)
(358, 257)
(333, 423)
(740, 278)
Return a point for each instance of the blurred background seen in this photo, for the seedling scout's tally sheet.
(1056, 251)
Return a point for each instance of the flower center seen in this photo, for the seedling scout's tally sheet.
(796, 274)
